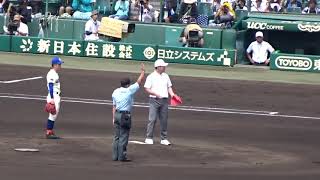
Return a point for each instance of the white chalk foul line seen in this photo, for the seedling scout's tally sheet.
(20, 80)
(138, 104)
(198, 109)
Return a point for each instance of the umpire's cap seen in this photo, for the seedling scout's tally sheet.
(56, 60)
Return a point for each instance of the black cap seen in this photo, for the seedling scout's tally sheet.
(125, 81)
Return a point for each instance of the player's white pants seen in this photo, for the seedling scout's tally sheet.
(57, 100)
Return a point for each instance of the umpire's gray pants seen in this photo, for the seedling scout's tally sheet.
(158, 109)
(121, 137)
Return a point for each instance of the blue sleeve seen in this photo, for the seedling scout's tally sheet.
(88, 33)
(51, 90)
(134, 88)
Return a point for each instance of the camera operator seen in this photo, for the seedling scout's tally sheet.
(192, 35)
(16, 27)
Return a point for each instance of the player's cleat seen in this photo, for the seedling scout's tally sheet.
(50, 135)
(148, 141)
(165, 142)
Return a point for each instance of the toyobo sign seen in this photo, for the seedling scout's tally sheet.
(295, 62)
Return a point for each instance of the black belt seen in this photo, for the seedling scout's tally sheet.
(125, 112)
(158, 98)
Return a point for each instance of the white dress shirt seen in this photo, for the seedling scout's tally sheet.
(260, 51)
(158, 83)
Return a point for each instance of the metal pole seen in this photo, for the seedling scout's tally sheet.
(47, 4)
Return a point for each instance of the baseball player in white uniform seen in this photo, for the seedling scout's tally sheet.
(54, 92)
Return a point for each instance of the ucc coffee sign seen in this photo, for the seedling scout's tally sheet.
(295, 62)
(263, 26)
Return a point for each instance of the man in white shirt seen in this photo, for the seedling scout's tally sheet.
(54, 92)
(146, 11)
(259, 6)
(91, 27)
(158, 85)
(259, 50)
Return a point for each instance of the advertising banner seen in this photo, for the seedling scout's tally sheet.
(295, 62)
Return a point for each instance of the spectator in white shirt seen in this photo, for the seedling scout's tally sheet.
(91, 28)
(241, 5)
(259, 50)
(146, 11)
(259, 6)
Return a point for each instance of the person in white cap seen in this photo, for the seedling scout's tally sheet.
(158, 85)
(91, 27)
(259, 50)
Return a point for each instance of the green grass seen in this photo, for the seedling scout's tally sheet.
(99, 64)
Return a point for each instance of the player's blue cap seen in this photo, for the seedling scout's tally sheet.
(56, 60)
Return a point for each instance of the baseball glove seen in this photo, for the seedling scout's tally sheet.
(50, 108)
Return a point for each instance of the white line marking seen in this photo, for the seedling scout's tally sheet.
(197, 109)
(26, 150)
(20, 80)
(146, 104)
(137, 142)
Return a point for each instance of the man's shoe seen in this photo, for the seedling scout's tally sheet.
(125, 160)
(148, 141)
(165, 142)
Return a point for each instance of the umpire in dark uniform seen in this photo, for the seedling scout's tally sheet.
(122, 105)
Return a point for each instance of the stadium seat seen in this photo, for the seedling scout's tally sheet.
(204, 8)
(53, 6)
(240, 14)
(294, 10)
(104, 7)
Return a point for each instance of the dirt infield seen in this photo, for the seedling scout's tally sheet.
(226, 129)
